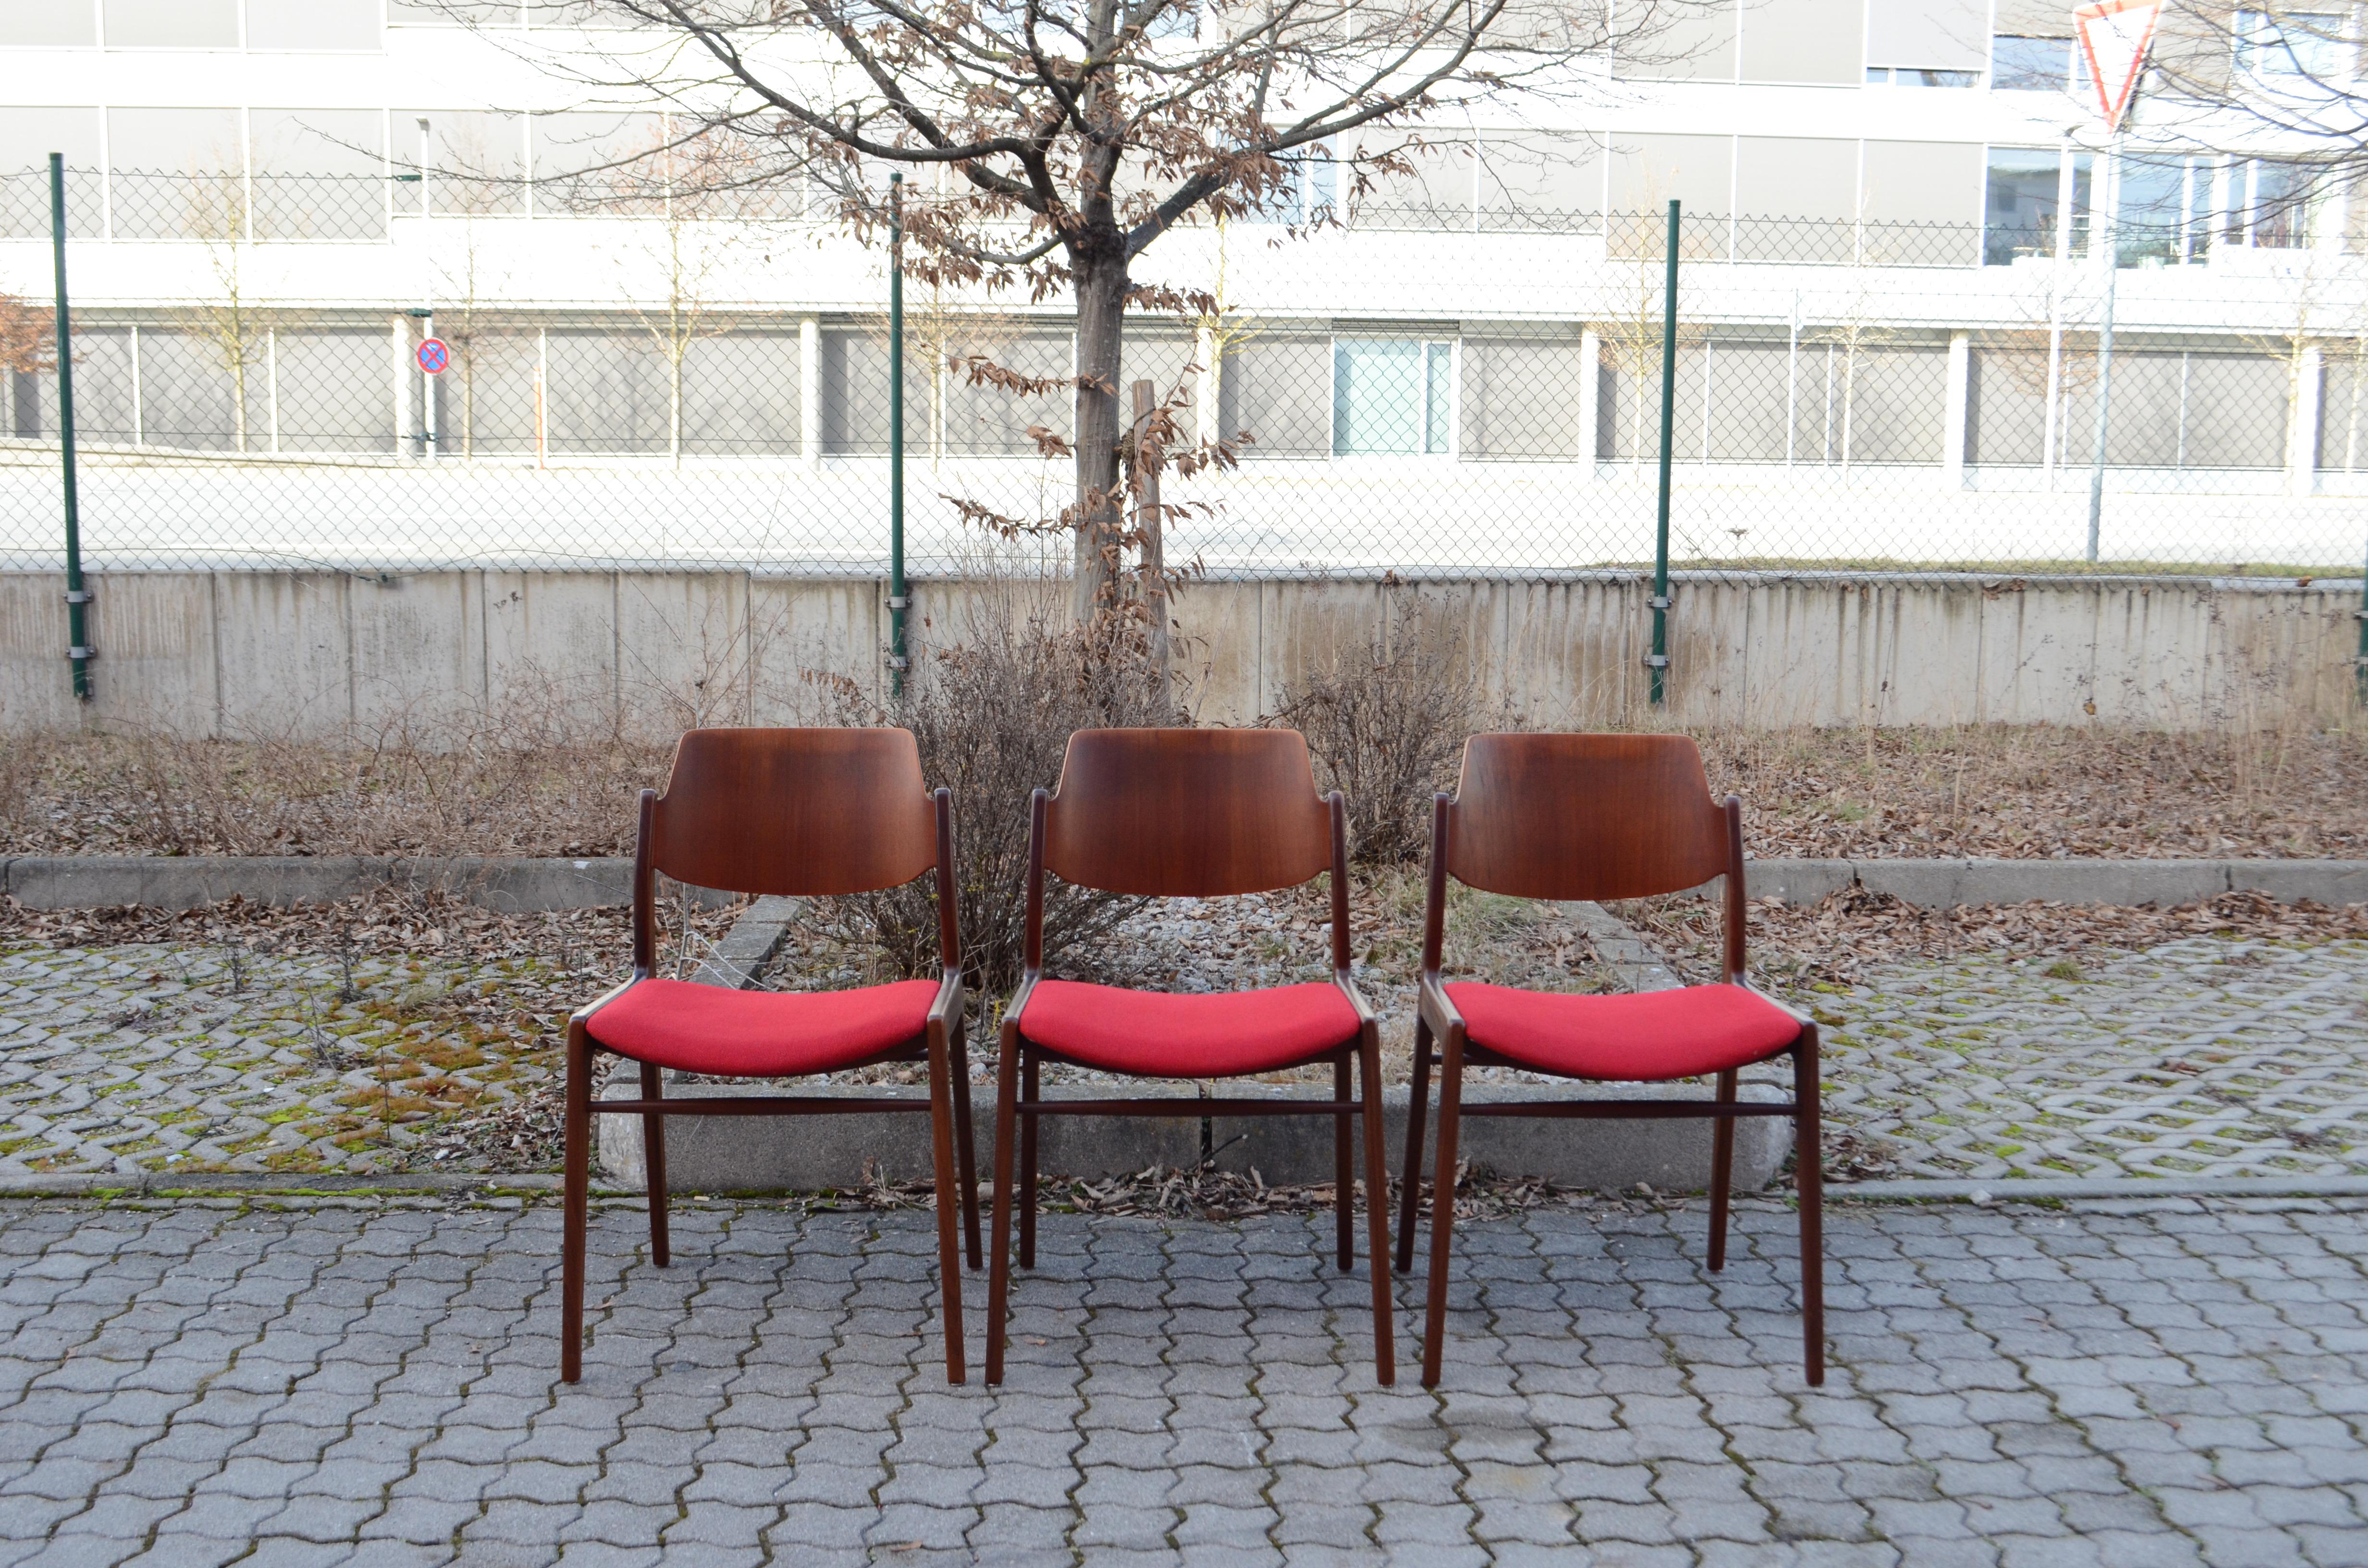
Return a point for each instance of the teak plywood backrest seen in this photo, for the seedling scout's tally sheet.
(807, 812)
(1187, 813)
(1584, 817)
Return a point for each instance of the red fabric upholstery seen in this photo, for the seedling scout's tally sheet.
(761, 1034)
(1636, 1039)
(1158, 1034)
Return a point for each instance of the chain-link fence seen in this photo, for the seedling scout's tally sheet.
(1435, 390)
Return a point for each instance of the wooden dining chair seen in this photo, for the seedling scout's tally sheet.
(1187, 814)
(797, 812)
(1594, 817)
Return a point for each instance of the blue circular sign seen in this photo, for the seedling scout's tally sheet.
(433, 356)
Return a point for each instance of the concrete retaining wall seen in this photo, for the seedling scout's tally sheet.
(738, 1153)
(322, 655)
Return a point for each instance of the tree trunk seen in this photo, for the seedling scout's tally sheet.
(1100, 272)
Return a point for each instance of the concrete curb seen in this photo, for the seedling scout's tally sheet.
(99, 881)
(204, 1184)
(196, 1187)
(2014, 1189)
(526, 885)
(739, 959)
(1942, 884)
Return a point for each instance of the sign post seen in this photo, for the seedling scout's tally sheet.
(430, 436)
(899, 592)
(2114, 37)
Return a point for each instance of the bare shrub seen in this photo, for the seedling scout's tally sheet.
(1387, 724)
(483, 784)
(993, 712)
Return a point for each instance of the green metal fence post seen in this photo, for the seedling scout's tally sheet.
(898, 599)
(77, 596)
(1657, 661)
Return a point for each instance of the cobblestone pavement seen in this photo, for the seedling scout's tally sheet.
(152, 1057)
(2204, 1058)
(2161, 1384)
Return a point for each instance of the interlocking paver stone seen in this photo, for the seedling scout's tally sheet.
(2202, 1058)
(178, 1058)
(2007, 1386)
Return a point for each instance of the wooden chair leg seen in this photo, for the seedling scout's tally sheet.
(574, 1204)
(1808, 1166)
(999, 1260)
(1417, 1108)
(1344, 1178)
(1028, 1072)
(1722, 1172)
(1442, 1207)
(1377, 1209)
(966, 1146)
(654, 1166)
(941, 1152)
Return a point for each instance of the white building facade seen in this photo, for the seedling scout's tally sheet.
(1895, 268)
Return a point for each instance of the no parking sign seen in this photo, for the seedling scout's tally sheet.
(433, 356)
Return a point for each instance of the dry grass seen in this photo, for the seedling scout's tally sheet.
(2005, 792)
(486, 793)
(2042, 790)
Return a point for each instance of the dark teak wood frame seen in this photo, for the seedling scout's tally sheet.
(1190, 813)
(1589, 817)
(794, 811)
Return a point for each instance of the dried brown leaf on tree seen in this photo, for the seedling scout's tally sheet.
(28, 342)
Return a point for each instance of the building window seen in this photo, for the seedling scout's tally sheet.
(2306, 44)
(2164, 210)
(1919, 76)
(1393, 395)
(2020, 214)
(2278, 213)
(2020, 63)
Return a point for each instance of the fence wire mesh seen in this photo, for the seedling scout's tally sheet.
(1430, 389)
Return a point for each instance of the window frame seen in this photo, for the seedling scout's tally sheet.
(2259, 39)
(1437, 419)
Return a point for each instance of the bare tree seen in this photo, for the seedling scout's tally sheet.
(1075, 134)
(2289, 65)
(227, 319)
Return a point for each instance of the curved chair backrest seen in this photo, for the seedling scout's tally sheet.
(808, 812)
(1585, 817)
(1187, 813)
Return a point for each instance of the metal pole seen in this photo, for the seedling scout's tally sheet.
(430, 436)
(78, 648)
(897, 598)
(1657, 661)
(2110, 198)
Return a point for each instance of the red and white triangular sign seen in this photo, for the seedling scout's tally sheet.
(2114, 37)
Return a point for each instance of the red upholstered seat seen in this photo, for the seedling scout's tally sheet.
(1628, 1039)
(761, 1034)
(1158, 1034)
